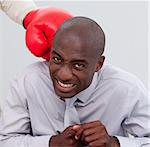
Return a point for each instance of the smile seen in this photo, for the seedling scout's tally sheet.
(65, 85)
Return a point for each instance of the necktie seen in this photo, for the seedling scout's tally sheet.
(71, 116)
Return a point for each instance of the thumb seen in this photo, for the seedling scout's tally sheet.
(79, 130)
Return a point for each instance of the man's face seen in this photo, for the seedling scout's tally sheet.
(72, 65)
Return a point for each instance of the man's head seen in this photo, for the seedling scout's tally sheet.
(76, 55)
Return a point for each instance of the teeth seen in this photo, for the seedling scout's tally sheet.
(65, 85)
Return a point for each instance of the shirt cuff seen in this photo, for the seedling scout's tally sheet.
(126, 141)
(25, 10)
(41, 141)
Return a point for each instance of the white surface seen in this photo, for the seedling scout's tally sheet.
(124, 23)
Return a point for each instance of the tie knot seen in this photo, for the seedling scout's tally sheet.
(70, 101)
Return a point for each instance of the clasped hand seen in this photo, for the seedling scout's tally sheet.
(92, 134)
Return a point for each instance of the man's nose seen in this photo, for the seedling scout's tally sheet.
(65, 73)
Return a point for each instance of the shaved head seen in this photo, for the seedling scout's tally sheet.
(84, 30)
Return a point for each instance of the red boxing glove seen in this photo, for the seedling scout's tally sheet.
(41, 24)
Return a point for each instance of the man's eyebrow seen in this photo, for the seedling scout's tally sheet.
(53, 51)
(79, 60)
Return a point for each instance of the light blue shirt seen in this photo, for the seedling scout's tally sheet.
(32, 112)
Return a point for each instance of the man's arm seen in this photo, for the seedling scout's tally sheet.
(137, 123)
(95, 134)
(134, 142)
(40, 23)
(15, 128)
(17, 9)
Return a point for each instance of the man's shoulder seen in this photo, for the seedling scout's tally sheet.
(33, 70)
(117, 75)
(37, 66)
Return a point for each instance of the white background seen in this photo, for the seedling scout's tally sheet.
(124, 23)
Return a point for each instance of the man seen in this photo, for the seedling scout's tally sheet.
(109, 102)
(39, 35)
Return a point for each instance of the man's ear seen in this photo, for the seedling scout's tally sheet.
(100, 63)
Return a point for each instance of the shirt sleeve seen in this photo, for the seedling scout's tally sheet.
(134, 142)
(15, 126)
(17, 9)
(137, 123)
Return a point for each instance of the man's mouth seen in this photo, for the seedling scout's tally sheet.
(64, 87)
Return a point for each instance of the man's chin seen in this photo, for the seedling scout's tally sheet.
(65, 94)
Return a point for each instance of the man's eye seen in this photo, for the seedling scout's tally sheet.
(56, 60)
(79, 66)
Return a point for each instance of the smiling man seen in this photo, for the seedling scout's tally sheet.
(76, 56)
(108, 102)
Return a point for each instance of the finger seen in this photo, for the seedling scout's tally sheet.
(92, 138)
(100, 138)
(79, 133)
(76, 127)
(68, 128)
(69, 132)
(91, 124)
(93, 130)
(97, 143)
(71, 141)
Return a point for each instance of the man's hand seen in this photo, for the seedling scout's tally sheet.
(94, 134)
(65, 139)
(41, 25)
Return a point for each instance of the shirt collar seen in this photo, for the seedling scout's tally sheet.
(84, 95)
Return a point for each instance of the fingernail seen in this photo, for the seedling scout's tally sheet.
(76, 137)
